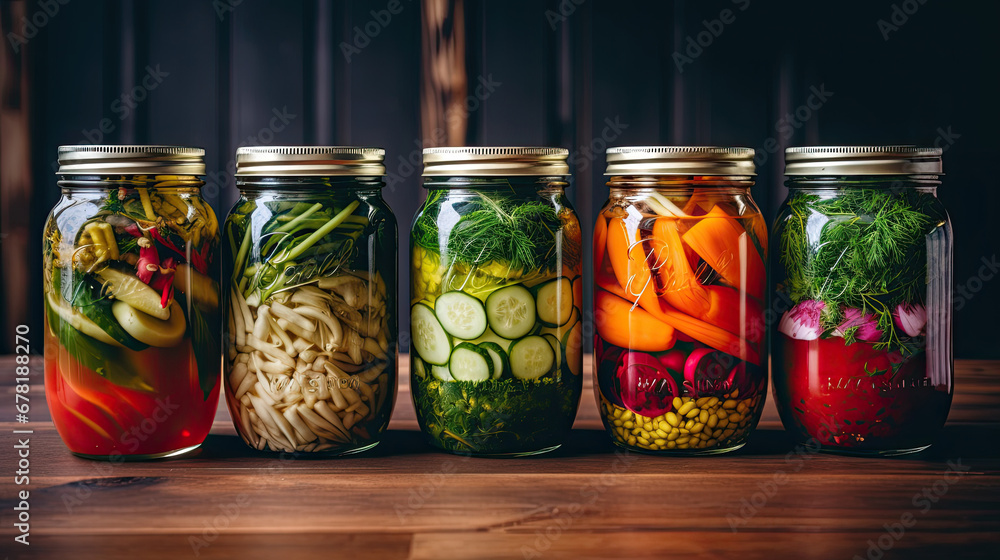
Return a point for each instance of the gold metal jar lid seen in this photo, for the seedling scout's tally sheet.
(130, 160)
(862, 160)
(471, 161)
(314, 161)
(680, 160)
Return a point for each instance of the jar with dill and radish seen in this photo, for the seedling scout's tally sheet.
(496, 301)
(862, 359)
(132, 313)
(310, 292)
(679, 270)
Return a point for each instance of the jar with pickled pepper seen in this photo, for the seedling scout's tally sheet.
(679, 264)
(496, 301)
(862, 353)
(132, 314)
(310, 261)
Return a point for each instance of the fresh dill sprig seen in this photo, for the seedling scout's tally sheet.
(863, 248)
(491, 227)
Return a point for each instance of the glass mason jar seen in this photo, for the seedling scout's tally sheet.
(132, 351)
(310, 266)
(679, 266)
(862, 358)
(496, 301)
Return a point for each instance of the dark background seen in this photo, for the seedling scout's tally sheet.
(563, 68)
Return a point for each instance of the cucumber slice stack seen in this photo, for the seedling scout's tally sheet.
(517, 333)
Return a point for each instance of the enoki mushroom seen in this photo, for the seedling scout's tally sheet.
(305, 374)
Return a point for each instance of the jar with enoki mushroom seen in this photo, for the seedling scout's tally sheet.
(310, 255)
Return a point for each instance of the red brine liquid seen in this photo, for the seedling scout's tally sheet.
(97, 418)
(856, 399)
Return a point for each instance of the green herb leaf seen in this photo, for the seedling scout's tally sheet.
(207, 352)
(104, 359)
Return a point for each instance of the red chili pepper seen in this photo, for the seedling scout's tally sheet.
(148, 263)
(198, 260)
(163, 282)
(165, 242)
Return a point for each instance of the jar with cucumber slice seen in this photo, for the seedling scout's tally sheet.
(132, 348)
(496, 301)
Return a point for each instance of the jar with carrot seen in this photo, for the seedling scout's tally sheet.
(679, 253)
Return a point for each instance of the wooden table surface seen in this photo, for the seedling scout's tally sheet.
(403, 500)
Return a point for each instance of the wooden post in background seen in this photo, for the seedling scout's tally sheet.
(444, 119)
(15, 178)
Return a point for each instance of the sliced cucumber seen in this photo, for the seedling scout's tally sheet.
(461, 315)
(148, 329)
(578, 292)
(531, 357)
(490, 336)
(441, 372)
(511, 311)
(470, 363)
(573, 343)
(560, 332)
(79, 321)
(429, 337)
(499, 356)
(556, 348)
(418, 367)
(554, 300)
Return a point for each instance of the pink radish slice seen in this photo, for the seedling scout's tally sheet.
(647, 388)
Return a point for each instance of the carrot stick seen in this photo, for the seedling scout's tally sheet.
(725, 246)
(701, 331)
(600, 236)
(628, 263)
(680, 285)
(726, 311)
(636, 329)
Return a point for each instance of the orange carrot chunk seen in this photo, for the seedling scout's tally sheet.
(636, 329)
(725, 246)
(678, 284)
(703, 332)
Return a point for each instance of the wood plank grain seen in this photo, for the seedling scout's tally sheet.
(586, 500)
